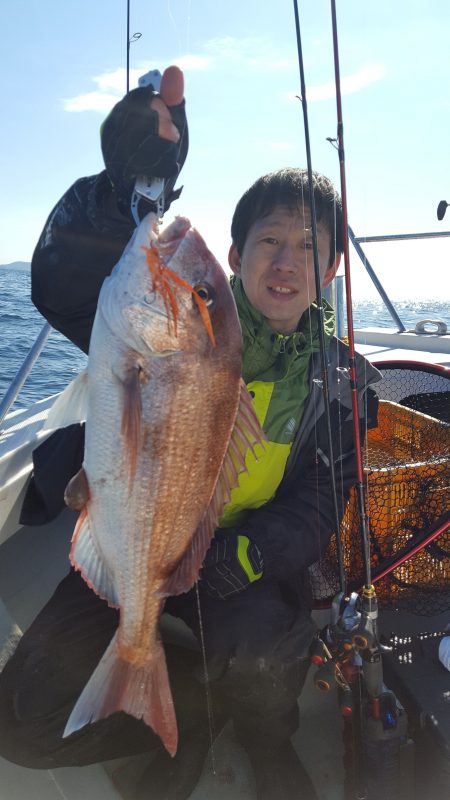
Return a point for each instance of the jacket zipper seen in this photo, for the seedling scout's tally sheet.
(282, 344)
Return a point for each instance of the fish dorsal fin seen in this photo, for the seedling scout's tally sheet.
(247, 434)
(71, 405)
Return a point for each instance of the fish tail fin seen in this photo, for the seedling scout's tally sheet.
(117, 685)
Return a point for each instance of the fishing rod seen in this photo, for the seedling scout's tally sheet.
(318, 290)
(349, 309)
(128, 46)
(133, 38)
(382, 722)
(329, 651)
(348, 652)
(149, 188)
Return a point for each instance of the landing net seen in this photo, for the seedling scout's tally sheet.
(407, 473)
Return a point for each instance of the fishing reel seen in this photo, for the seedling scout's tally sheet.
(333, 652)
(347, 650)
(348, 657)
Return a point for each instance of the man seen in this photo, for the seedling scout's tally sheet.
(254, 590)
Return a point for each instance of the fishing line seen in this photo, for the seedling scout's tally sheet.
(207, 681)
(174, 26)
(188, 26)
(313, 576)
(342, 374)
(323, 353)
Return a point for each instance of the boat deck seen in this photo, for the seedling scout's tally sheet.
(31, 564)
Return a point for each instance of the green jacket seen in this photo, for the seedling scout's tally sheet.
(275, 369)
(293, 525)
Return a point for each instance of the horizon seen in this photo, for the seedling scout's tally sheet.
(367, 294)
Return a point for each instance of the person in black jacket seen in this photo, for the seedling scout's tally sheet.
(254, 590)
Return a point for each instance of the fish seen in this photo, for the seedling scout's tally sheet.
(169, 424)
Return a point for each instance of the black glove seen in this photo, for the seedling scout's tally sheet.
(131, 145)
(231, 564)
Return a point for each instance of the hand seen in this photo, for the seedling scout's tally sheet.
(146, 134)
(231, 564)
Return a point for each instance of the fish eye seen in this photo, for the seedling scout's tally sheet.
(206, 293)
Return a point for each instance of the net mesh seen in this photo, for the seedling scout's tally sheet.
(407, 478)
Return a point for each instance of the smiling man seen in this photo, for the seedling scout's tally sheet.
(272, 250)
(254, 589)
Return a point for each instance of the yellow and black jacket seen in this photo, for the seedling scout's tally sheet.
(285, 502)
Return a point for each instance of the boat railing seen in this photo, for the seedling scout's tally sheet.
(24, 371)
(357, 242)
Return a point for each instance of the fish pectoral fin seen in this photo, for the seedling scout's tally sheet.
(187, 571)
(77, 494)
(70, 406)
(247, 435)
(85, 558)
(142, 691)
(131, 416)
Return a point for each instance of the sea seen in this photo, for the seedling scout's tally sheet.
(61, 361)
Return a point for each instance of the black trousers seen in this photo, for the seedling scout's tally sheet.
(256, 646)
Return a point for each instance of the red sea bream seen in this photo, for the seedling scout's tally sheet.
(168, 424)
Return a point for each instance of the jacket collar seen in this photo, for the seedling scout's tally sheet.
(270, 355)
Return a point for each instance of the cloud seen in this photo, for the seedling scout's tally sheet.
(91, 101)
(350, 84)
(251, 51)
(225, 52)
(111, 85)
(115, 80)
(193, 63)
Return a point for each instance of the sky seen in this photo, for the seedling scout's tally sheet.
(63, 66)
